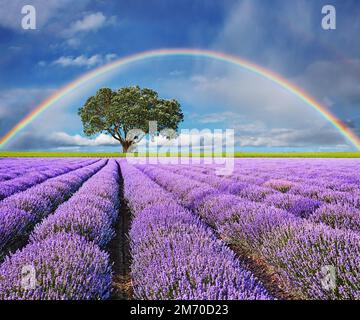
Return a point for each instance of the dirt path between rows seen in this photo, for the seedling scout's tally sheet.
(119, 249)
(271, 280)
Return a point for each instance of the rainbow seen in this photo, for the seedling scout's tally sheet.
(247, 65)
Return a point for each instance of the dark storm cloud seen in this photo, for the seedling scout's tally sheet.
(354, 124)
(15, 104)
(283, 137)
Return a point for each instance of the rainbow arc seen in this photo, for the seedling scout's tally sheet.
(247, 65)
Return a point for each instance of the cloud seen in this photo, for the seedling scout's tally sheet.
(290, 41)
(64, 139)
(231, 120)
(32, 140)
(285, 137)
(29, 140)
(84, 61)
(258, 133)
(176, 73)
(252, 135)
(214, 117)
(16, 103)
(231, 95)
(279, 35)
(199, 79)
(90, 22)
(333, 82)
(336, 86)
(264, 137)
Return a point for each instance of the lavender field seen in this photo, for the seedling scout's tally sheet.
(274, 229)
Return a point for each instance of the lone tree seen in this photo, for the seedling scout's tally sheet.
(120, 113)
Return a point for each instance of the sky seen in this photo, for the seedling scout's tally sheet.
(75, 37)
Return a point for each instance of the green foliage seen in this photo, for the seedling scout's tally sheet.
(119, 112)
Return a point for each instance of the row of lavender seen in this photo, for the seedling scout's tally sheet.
(338, 209)
(13, 168)
(37, 173)
(24, 164)
(296, 248)
(176, 256)
(322, 174)
(20, 212)
(66, 248)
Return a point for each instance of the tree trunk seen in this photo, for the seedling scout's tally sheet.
(126, 145)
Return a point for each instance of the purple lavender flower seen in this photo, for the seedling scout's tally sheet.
(39, 201)
(301, 251)
(66, 267)
(338, 216)
(90, 212)
(175, 256)
(297, 205)
(37, 175)
(295, 248)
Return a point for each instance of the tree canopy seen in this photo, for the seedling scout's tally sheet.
(125, 111)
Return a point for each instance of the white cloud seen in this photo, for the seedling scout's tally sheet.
(90, 22)
(78, 61)
(42, 63)
(64, 139)
(73, 42)
(214, 117)
(176, 73)
(259, 133)
(199, 79)
(230, 117)
(84, 61)
(195, 138)
(110, 56)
